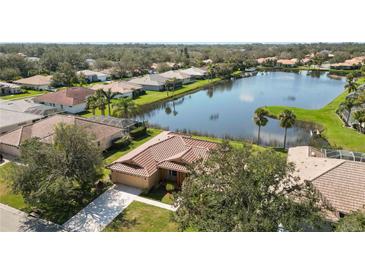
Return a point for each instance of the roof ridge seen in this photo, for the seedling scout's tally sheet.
(332, 168)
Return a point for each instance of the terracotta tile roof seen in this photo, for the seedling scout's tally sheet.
(36, 80)
(44, 129)
(344, 186)
(118, 87)
(67, 97)
(287, 61)
(341, 182)
(173, 151)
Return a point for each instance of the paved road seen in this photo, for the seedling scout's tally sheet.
(102, 211)
(13, 220)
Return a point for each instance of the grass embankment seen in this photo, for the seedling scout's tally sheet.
(157, 96)
(6, 194)
(27, 93)
(140, 217)
(334, 130)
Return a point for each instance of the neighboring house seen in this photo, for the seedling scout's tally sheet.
(93, 76)
(287, 62)
(195, 73)
(32, 59)
(8, 88)
(265, 59)
(38, 82)
(353, 63)
(10, 120)
(178, 75)
(71, 100)
(338, 175)
(90, 62)
(151, 82)
(123, 123)
(163, 158)
(28, 106)
(45, 130)
(120, 88)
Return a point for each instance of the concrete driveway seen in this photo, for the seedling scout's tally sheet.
(100, 212)
(14, 220)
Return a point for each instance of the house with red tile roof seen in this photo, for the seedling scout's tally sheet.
(164, 158)
(44, 130)
(339, 178)
(71, 100)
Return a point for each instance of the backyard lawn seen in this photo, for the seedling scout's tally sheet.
(27, 93)
(156, 96)
(334, 130)
(140, 217)
(6, 195)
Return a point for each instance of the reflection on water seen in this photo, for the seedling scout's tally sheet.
(227, 109)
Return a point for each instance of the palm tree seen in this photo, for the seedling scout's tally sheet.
(347, 106)
(91, 104)
(351, 85)
(109, 95)
(124, 107)
(360, 117)
(260, 120)
(287, 120)
(100, 101)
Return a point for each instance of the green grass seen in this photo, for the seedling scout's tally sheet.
(140, 217)
(334, 130)
(156, 96)
(6, 194)
(27, 93)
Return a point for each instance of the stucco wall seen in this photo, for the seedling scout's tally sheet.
(135, 181)
(10, 150)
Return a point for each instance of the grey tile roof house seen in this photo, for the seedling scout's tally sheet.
(10, 120)
(150, 82)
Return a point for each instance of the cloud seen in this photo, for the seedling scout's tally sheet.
(247, 98)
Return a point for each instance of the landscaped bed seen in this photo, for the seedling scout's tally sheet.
(160, 194)
(140, 217)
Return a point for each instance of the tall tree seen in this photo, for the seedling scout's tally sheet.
(59, 179)
(347, 106)
(230, 191)
(91, 104)
(100, 101)
(351, 85)
(260, 120)
(354, 222)
(124, 107)
(360, 117)
(287, 120)
(109, 95)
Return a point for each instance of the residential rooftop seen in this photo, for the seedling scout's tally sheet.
(67, 97)
(36, 80)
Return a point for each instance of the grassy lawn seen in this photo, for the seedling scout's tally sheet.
(334, 130)
(156, 96)
(6, 195)
(140, 217)
(26, 94)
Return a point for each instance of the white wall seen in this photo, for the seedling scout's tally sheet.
(70, 109)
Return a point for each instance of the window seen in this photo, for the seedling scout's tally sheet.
(172, 173)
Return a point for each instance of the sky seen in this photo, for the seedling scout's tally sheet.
(194, 21)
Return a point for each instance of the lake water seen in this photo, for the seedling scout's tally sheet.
(227, 109)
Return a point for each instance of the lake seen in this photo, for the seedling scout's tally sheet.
(227, 108)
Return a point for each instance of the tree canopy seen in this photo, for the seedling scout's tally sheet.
(246, 190)
(58, 179)
(354, 222)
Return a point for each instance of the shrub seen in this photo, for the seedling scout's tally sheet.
(170, 187)
(138, 132)
(122, 142)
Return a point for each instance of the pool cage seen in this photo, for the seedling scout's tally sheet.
(344, 154)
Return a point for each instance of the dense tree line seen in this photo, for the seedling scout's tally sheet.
(134, 59)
